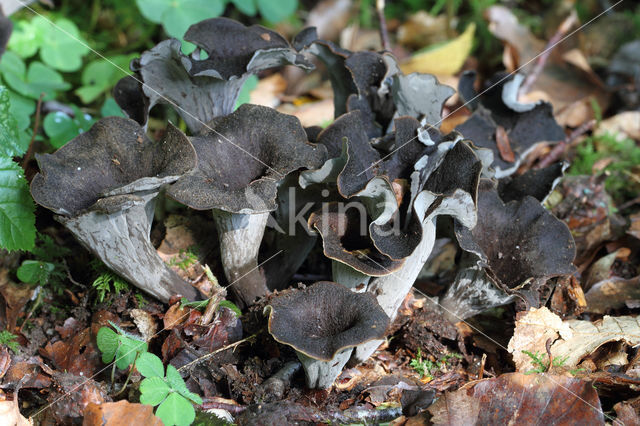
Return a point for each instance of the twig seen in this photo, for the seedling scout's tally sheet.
(29, 154)
(558, 150)
(563, 29)
(217, 351)
(384, 34)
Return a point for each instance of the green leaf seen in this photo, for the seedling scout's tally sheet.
(232, 306)
(60, 128)
(150, 365)
(128, 350)
(153, 390)
(26, 39)
(248, 7)
(177, 383)
(111, 108)
(101, 75)
(22, 108)
(245, 93)
(9, 142)
(17, 220)
(32, 82)
(176, 410)
(108, 342)
(62, 46)
(181, 14)
(275, 11)
(35, 272)
(153, 9)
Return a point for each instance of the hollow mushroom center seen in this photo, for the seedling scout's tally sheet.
(321, 323)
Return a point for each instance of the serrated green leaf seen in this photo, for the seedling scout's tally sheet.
(9, 141)
(150, 365)
(248, 7)
(275, 11)
(176, 410)
(35, 272)
(108, 342)
(153, 390)
(17, 219)
(62, 46)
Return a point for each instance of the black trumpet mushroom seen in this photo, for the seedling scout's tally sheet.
(237, 178)
(515, 247)
(103, 185)
(201, 89)
(323, 323)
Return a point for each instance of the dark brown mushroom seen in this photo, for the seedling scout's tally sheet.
(499, 119)
(323, 322)
(203, 89)
(271, 145)
(103, 185)
(519, 245)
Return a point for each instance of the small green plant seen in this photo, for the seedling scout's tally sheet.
(422, 366)
(425, 367)
(185, 258)
(168, 391)
(107, 281)
(17, 219)
(543, 366)
(119, 346)
(623, 161)
(47, 269)
(202, 304)
(9, 340)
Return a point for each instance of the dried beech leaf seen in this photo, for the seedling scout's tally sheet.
(119, 413)
(516, 398)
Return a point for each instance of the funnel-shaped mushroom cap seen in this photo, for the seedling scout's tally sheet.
(510, 129)
(345, 238)
(114, 153)
(203, 89)
(234, 49)
(326, 318)
(517, 241)
(242, 159)
(538, 183)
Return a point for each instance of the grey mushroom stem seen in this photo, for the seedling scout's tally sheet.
(240, 236)
(391, 290)
(321, 374)
(119, 237)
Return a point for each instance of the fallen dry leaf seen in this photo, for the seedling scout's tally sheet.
(626, 123)
(502, 141)
(145, 323)
(446, 59)
(10, 414)
(516, 398)
(532, 331)
(119, 413)
(612, 293)
(588, 336)
(505, 26)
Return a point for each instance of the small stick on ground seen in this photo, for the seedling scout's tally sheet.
(384, 34)
(29, 154)
(563, 29)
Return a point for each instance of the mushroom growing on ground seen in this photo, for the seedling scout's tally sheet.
(270, 145)
(103, 185)
(515, 247)
(510, 129)
(323, 322)
(201, 89)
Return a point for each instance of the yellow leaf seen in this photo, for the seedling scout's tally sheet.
(446, 59)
